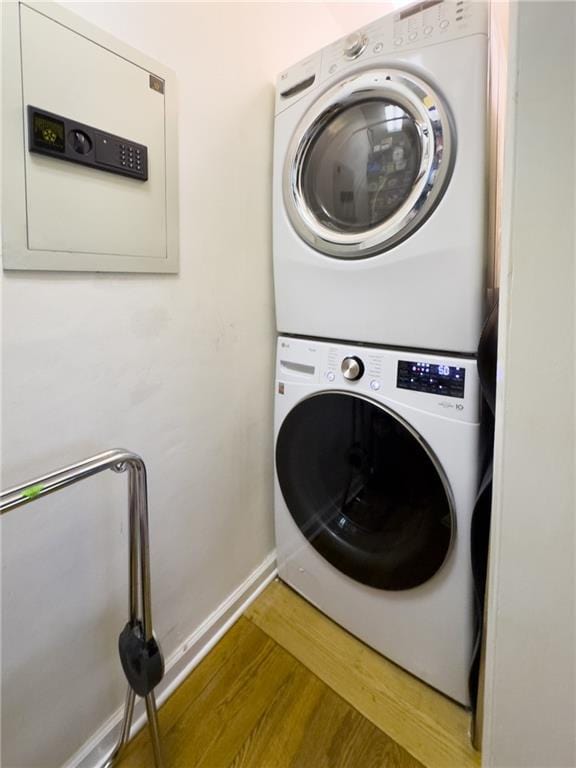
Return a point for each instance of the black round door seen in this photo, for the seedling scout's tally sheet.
(364, 490)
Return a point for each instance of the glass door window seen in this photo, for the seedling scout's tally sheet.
(361, 168)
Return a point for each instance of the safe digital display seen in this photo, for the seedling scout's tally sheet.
(48, 132)
(436, 379)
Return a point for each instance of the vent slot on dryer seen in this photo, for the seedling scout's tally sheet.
(301, 86)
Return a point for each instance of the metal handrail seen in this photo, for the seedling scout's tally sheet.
(140, 605)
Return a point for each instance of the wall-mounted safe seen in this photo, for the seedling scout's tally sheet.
(90, 176)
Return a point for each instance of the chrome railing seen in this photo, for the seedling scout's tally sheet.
(140, 608)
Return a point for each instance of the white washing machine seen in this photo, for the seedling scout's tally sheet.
(380, 183)
(376, 477)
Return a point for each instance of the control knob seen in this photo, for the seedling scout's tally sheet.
(355, 45)
(80, 141)
(352, 368)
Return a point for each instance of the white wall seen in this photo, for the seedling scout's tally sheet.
(530, 702)
(177, 368)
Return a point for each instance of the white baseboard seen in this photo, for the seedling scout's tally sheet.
(180, 663)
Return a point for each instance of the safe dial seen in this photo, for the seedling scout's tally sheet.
(80, 141)
(352, 368)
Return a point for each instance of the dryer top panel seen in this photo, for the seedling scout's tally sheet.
(425, 23)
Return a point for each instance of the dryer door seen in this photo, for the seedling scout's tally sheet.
(365, 490)
(368, 163)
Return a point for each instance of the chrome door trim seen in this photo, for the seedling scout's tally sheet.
(438, 144)
(415, 434)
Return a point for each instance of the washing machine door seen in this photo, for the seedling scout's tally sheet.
(366, 490)
(368, 163)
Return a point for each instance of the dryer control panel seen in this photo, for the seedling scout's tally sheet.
(418, 25)
(421, 24)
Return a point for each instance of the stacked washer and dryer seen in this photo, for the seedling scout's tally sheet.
(380, 264)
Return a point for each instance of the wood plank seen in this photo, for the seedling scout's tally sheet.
(360, 743)
(251, 704)
(235, 712)
(337, 736)
(309, 726)
(186, 728)
(428, 725)
(270, 742)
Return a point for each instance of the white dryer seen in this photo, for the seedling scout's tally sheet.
(376, 477)
(380, 183)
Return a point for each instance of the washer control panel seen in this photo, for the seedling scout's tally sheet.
(439, 384)
(434, 378)
(64, 139)
(352, 368)
(365, 368)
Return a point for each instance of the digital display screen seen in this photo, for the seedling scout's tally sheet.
(446, 380)
(414, 9)
(48, 132)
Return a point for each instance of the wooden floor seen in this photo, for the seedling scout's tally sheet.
(286, 687)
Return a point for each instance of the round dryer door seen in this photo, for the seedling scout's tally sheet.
(365, 490)
(368, 163)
